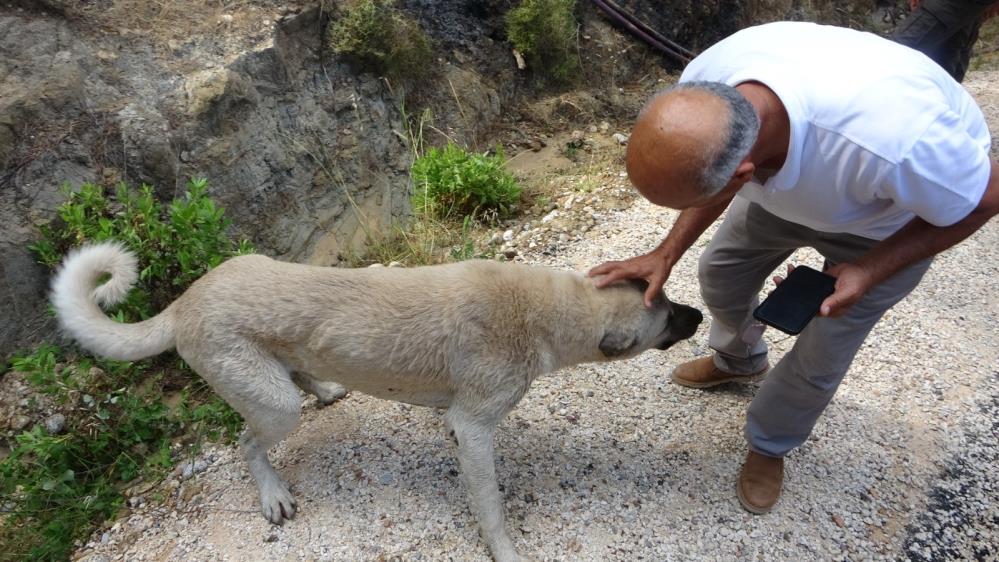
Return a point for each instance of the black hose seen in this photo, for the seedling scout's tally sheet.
(644, 32)
(650, 31)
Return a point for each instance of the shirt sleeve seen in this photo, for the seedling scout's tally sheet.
(943, 176)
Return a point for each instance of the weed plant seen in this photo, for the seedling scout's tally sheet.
(545, 32)
(381, 38)
(451, 183)
(55, 488)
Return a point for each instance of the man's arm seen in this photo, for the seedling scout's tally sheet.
(656, 265)
(914, 242)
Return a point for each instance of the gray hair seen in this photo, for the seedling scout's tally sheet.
(743, 126)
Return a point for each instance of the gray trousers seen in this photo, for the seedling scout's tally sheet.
(749, 245)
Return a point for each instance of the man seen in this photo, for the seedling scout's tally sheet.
(945, 30)
(810, 136)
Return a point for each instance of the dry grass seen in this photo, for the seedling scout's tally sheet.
(424, 241)
(169, 21)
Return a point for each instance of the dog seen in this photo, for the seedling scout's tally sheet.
(468, 337)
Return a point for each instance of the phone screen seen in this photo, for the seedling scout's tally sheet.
(796, 300)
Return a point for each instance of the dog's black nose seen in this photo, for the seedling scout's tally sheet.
(684, 321)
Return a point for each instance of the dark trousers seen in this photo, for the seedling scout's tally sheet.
(945, 31)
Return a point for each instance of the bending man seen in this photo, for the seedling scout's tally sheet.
(811, 136)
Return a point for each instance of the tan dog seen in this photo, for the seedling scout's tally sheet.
(470, 337)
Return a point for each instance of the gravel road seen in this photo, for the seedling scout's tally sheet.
(612, 462)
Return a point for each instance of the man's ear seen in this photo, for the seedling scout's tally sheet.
(744, 172)
(615, 344)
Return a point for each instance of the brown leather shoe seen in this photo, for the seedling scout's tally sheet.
(702, 373)
(760, 482)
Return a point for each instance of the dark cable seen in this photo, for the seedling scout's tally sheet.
(655, 39)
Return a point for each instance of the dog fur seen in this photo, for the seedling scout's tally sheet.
(468, 337)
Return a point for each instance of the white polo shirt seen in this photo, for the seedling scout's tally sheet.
(879, 132)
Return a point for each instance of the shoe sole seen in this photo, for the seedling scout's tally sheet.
(754, 509)
(741, 379)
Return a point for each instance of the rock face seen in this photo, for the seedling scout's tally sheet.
(304, 153)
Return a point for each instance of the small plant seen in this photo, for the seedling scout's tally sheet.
(545, 32)
(452, 183)
(422, 241)
(54, 488)
(175, 244)
(572, 148)
(381, 38)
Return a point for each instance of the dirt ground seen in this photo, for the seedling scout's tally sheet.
(612, 462)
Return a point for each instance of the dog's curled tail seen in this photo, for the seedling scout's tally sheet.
(77, 294)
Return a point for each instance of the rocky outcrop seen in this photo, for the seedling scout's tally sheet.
(305, 154)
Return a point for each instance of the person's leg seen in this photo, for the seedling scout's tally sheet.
(800, 386)
(960, 46)
(747, 247)
(798, 389)
(941, 29)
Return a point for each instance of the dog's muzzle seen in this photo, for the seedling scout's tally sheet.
(683, 324)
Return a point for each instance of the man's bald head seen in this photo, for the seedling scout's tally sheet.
(688, 142)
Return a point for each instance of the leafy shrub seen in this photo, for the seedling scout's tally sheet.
(381, 38)
(545, 32)
(56, 488)
(175, 244)
(452, 183)
(59, 486)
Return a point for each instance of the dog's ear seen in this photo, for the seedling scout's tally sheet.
(615, 344)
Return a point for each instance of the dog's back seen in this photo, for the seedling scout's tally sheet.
(378, 330)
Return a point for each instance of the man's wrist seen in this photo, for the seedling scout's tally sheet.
(874, 272)
(668, 254)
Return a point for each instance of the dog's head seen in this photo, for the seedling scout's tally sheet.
(629, 327)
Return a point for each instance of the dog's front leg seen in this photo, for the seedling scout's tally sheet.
(474, 439)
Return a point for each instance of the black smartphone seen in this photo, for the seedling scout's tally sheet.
(796, 300)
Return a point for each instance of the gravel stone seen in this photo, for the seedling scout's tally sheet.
(19, 422)
(55, 424)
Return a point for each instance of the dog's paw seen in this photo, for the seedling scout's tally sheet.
(277, 503)
(329, 392)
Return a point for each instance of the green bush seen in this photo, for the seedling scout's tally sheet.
(381, 39)
(175, 244)
(544, 31)
(452, 183)
(59, 486)
(56, 488)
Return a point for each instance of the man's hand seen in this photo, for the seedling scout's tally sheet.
(852, 283)
(656, 265)
(653, 267)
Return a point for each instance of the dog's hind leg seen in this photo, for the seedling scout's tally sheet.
(474, 439)
(327, 392)
(260, 388)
